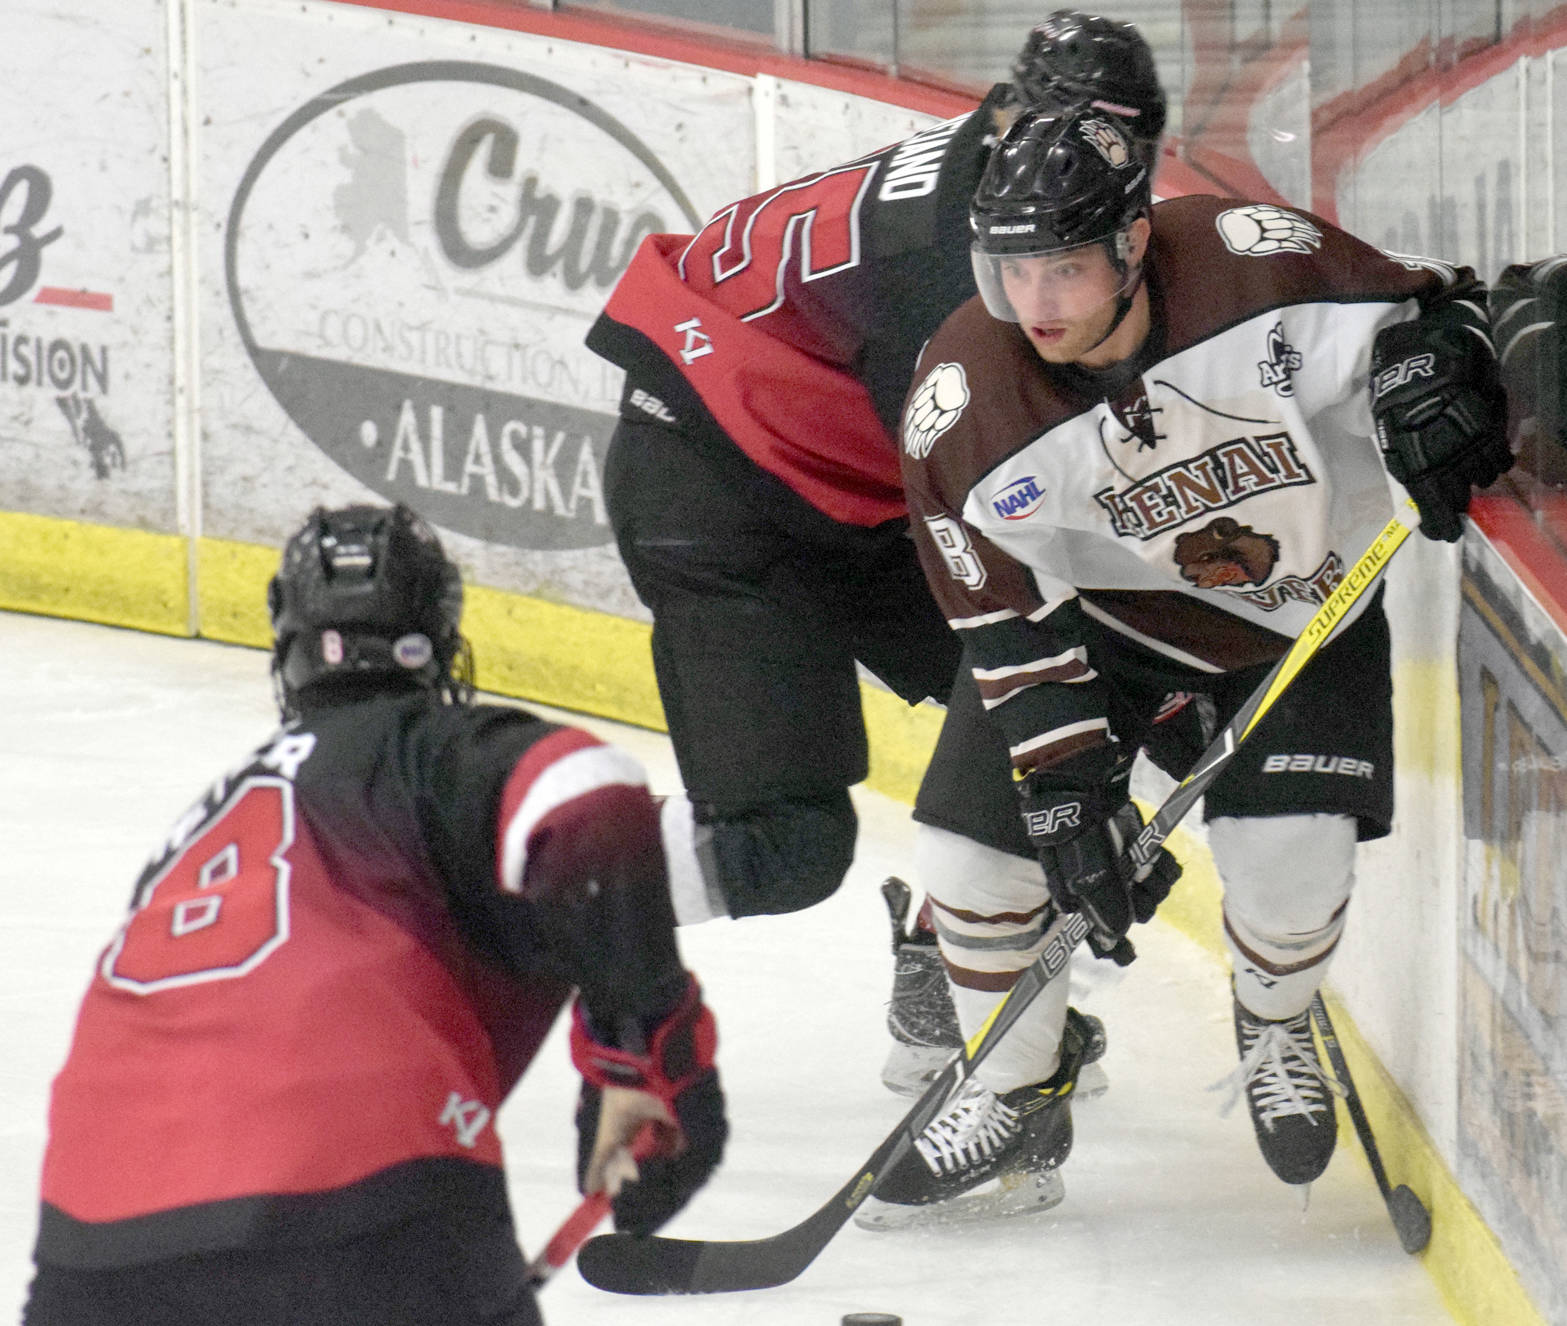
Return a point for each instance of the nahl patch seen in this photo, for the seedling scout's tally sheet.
(1322, 764)
(1019, 499)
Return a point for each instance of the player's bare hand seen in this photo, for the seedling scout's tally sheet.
(622, 1113)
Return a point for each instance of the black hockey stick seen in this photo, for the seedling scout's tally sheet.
(625, 1264)
(1408, 1213)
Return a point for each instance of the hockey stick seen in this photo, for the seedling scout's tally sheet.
(1408, 1213)
(1360, 577)
(582, 1221)
(624, 1264)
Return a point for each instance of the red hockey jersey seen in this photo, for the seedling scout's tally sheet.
(330, 977)
(790, 324)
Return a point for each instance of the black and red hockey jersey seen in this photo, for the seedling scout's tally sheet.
(790, 324)
(1202, 499)
(333, 970)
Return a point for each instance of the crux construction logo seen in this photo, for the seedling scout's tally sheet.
(412, 261)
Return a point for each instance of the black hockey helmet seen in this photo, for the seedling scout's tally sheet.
(1074, 58)
(1057, 182)
(365, 590)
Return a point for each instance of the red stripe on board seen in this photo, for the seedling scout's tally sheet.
(53, 294)
(1175, 176)
(1347, 127)
(1229, 78)
(713, 52)
(1533, 554)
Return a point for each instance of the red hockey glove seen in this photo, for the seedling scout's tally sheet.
(671, 1079)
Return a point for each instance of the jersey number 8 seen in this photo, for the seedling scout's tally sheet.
(219, 907)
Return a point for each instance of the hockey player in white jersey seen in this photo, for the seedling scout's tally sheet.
(757, 503)
(1136, 464)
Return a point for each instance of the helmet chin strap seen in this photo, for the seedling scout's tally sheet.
(1123, 306)
(1123, 302)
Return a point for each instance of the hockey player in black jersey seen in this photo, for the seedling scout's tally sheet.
(1136, 465)
(278, 1108)
(754, 489)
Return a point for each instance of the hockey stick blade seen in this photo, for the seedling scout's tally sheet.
(1411, 1220)
(625, 1264)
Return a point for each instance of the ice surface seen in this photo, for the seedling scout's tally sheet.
(1170, 1217)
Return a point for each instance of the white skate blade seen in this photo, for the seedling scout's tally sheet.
(1010, 1195)
(909, 1069)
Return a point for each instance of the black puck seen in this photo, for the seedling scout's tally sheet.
(872, 1319)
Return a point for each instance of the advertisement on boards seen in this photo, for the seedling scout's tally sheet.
(85, 287)
(412, 229)
(1512, 995)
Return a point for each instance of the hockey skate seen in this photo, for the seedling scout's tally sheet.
(984, 1156)
(923, 1023)
(1289, 1092)
(920, 1017)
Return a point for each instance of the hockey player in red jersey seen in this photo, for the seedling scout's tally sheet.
(754, 488)
(279, 1103)
(1136, 465)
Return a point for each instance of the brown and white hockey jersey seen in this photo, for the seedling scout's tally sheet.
(1201, 499)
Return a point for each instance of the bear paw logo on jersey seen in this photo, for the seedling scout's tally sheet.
(1261, 230)
(934, 408)
(1224, 552)
(1108, 141)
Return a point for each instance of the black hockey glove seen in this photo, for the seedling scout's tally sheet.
(1440, 412)
(1080, 818)
(669, 1079)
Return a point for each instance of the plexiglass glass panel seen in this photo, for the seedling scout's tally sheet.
(747, 18)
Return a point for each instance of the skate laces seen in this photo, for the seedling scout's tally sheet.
(1280, 1069)
(975, 1125)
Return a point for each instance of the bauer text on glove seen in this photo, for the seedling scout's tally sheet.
(1080, 818)
(1440, 412)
